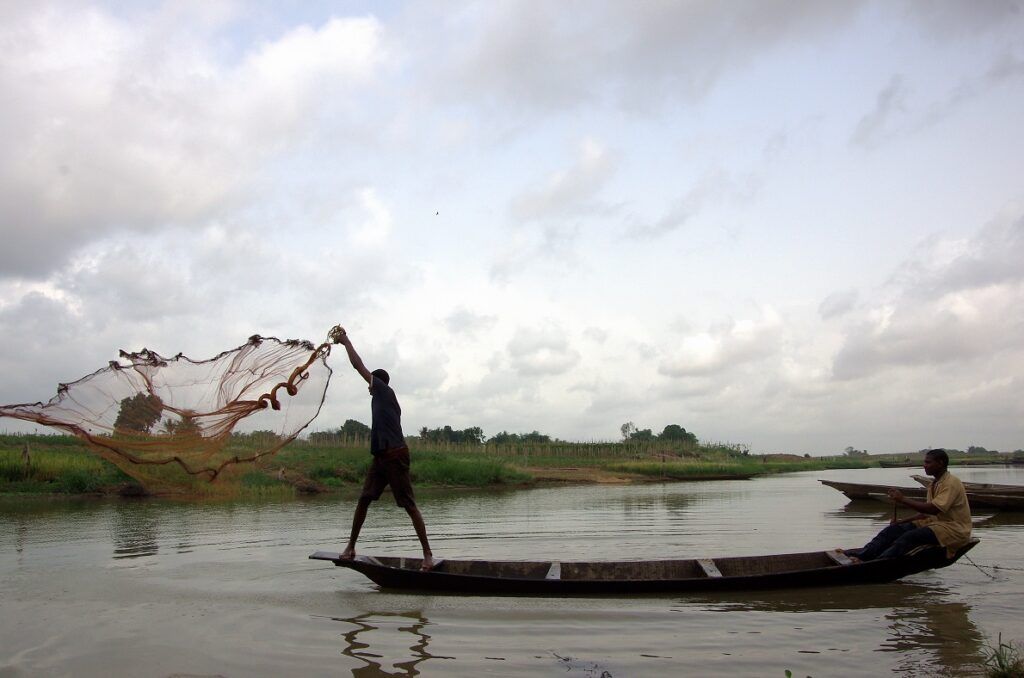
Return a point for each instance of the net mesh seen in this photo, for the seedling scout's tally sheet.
(169, 422)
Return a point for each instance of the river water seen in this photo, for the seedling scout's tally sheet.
(161, 588)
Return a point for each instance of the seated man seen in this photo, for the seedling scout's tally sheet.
(943, 518)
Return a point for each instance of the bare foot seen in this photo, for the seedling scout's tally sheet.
(348, 554)
(428, 564)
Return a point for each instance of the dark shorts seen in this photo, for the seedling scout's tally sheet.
(390, 468)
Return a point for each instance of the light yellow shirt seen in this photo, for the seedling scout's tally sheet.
(952, 525)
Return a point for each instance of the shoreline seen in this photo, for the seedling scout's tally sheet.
(62, 466)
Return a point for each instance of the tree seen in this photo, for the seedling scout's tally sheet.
(675, 432)
(506, 438)
(642, 435)
(535, 437)
(354, 429)
(976, 449)
(181, 428)
(447, 434)
(139, 412)
(627, 429)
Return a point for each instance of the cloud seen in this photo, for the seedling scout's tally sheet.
(464, 321)
(572, 191)
(1004, 68)
(951, 19)
(837, 304)
(552, 245)
(596, 334)
(725, 347)
(956, 303)
(375, 229)
(873, 125)
(541, 351)
(552, 56)
(110, 125)
(715, 187)
(892, 117)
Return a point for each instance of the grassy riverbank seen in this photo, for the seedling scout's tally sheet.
(61, 464)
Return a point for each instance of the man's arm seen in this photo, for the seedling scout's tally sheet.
(925, 507)
(354, 358)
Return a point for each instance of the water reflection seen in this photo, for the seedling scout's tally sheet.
(364, 652)
(134, 529)
(926, 625)
(939, 633)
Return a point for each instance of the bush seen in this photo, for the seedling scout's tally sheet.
(76, 481)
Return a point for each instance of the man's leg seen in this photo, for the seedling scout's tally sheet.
(357, 524)
(909, 540)
(421, 532)
(884, 540)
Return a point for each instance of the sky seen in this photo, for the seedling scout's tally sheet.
(792, 225)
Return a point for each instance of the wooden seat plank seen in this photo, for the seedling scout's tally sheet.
(709, 567)
(839, 557)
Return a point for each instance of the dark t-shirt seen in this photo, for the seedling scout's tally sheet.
(386, 425)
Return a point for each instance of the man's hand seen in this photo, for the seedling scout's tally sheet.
(895, 495)
(338, 335)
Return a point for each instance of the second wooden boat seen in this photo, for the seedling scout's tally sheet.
(866, 490)
(989, 488)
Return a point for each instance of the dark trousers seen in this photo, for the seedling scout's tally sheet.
(896, 540)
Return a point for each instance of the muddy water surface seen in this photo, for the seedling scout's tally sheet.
(156, 588)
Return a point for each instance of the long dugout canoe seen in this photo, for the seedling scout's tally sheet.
(1005, 502)
(501, 577)
(986, 488)
(866, 490)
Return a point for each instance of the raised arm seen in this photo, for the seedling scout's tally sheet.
(354, 358)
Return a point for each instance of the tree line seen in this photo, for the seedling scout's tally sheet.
(353, 429)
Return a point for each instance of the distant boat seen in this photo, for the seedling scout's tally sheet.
(792, 570)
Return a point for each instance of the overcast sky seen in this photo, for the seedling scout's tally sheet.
(795, 225)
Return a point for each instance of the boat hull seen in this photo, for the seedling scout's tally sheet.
(1003, 502)
(868, 491)
(798, 570)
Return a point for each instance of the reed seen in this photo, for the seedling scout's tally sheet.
(1003, 660)
(63, 464)
(66, 471)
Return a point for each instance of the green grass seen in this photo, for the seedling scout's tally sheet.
(58, 464)
(1003, 660)
(338, 466)
(63, 464)
(437, 469)
(698, 468)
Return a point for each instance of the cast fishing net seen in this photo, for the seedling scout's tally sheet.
(170, 421)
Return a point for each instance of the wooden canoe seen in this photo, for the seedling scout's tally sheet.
(792, 570)
(1005, 502)
(987, 488)
(866, 490)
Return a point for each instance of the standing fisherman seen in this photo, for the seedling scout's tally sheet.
(390, 456)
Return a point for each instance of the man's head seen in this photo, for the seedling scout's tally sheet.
(936, 462)
(382, 375)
